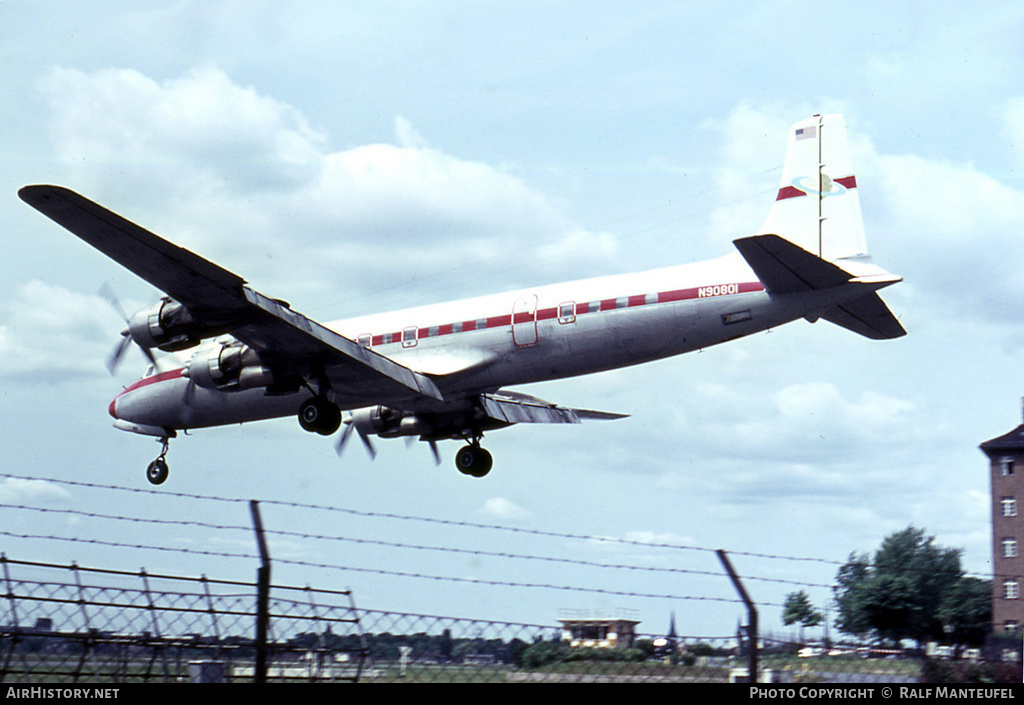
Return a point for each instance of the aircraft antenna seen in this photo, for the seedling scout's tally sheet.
(821, 192)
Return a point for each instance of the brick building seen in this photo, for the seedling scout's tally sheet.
(1006, 475)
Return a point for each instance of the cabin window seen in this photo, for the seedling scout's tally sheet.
(409, 337)
(457, 327)
(480, 323)
(567, 312)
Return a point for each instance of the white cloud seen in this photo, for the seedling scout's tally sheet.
(118, 125)
(48, 332)
(220, 164)
(504, 510)
(15, 490)
(805, 422)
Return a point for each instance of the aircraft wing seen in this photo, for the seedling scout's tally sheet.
(218, 297)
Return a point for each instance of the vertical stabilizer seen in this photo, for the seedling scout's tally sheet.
(818, 206)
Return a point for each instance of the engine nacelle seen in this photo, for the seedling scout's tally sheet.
(228, 368)
(168, 326)
(386, 422)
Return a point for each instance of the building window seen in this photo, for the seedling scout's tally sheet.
(1009, 506)
(1011, 626)
(1009, 547)
(1011, 591)
(1006, 465)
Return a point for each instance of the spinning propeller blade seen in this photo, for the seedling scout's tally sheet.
(126, 337)
(343, 439)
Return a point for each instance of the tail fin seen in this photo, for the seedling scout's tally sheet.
(816, 224)
(818, 206)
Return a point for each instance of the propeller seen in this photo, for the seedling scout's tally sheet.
(347, 431)
(126, 336)
(409, 440)
(351, 426)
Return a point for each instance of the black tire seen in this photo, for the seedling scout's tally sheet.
(317, 415)
(473, 461)
(157, 472)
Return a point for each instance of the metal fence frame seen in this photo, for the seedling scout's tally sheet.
(68, 623)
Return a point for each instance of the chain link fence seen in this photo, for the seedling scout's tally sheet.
(73, 624)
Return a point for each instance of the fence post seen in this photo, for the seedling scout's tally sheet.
(90, 638)
(158, 645)
(262, 595)
(15, 622)
(751, 613)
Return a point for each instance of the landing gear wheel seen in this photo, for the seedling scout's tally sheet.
(318, 415)
(473, 460)
(157, 471)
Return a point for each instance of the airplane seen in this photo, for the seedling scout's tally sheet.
(444, 371)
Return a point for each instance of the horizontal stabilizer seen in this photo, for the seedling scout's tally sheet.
(514, 407)
(868, 316)
(785, 268)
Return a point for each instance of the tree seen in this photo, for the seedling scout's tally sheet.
(900, 592)
(966, 612)
(798, 609)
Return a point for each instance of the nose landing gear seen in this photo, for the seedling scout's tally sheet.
(157, 471)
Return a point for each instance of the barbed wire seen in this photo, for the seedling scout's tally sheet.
(439, 522)
(377, 571)
(433, 520)
(401, 545)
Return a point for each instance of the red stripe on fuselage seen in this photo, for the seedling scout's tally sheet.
(581, 308)
(145, 382)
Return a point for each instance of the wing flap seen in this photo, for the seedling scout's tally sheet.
(514, 407)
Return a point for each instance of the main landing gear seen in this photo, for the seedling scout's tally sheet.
(157, 471)
(473, 460)
(319, 415)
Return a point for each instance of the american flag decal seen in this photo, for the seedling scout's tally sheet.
(805, 133)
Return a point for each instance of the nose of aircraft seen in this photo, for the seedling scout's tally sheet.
(112, 409)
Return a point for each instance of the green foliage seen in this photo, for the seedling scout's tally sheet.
(798, 609)
(543, 653)
(702, 649)
(935, 671)
(911, 589)
(966, 611)
(549, 652)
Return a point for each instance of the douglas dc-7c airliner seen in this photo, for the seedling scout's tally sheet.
(443, 371)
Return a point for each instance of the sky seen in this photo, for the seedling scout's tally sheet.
(354, 157)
